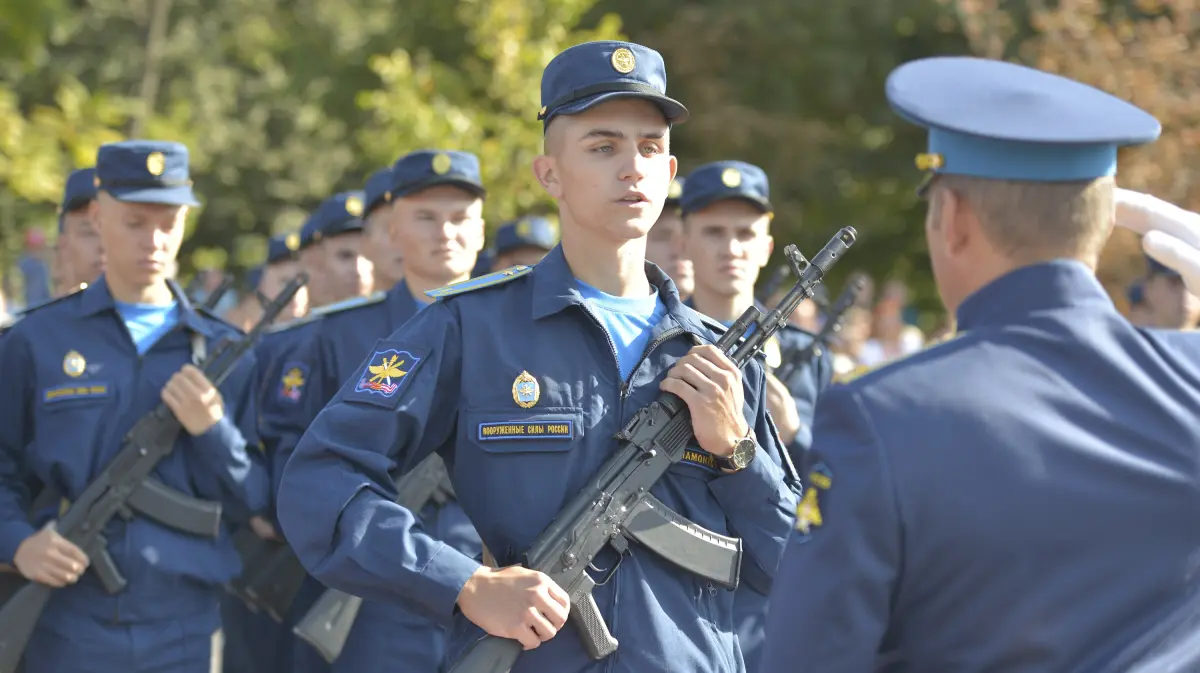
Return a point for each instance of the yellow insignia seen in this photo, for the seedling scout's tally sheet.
(542, 112)
(525, 390)
(156, 163)
(675, 190)
(354, 206)
(523, 228)
(849, 376)
(930, 162)
(623, 61)
(441, 163)
(731, 178)
(74, 364)
(292, 241)
(808, 512)
(772, 353)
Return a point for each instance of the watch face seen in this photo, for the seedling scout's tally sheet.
(743, 452)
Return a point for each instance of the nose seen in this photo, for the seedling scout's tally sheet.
(635, 169)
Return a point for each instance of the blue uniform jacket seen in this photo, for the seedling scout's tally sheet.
(281, 389)
(447, 381)
(385, 635)
(1009, 500)
(73, 385)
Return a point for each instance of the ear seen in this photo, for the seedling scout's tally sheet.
(545, 169)
(955, 223)
(674, 168)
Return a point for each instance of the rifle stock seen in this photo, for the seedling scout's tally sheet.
(602, 514)
(150, 440)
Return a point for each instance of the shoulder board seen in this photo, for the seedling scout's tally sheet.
(322, 311)
(486, 280)
(14, 318)
(866, 369)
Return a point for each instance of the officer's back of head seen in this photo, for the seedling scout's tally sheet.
(1021, 165)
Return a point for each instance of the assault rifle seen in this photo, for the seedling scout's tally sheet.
(833, 323)
(617, 506)
(327, 624)
(124, 488)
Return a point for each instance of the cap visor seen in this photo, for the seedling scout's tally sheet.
(672, 109)
(167, 196)
(448, 180)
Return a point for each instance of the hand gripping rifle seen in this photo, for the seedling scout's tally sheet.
(617, 506)
(124, 487)
(833, 323)
(327, 624)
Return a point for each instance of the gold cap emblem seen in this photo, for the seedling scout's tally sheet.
(929, 162)
(623, 61)
(525, 390)
(731, 178)
(542, 112)
(441, 163)
(156, 163)
(74, 364)
(675, 190)
(292, 241)
(354, 206)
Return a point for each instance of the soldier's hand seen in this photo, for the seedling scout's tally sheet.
(48, 558)
(194, 400)
(264, 529)
(711, 386)
(516, 603)
(1170, 234)
(783, 409)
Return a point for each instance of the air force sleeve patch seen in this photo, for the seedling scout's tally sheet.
(385, 376)
(808, 513)
(291, 384)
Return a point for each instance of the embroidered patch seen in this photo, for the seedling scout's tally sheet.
(74, 392)
(495, 432)
(700, 458)
(808, 512)
(387, 373)
(291, 384)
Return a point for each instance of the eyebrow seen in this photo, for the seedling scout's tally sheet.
(617, 135)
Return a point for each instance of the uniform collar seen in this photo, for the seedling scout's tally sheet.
(554, 289)
(1057, 284)
(97, 298)
(401, 301)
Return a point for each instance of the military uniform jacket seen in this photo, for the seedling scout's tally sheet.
(447, 381)
(73, 385)
(280, 391)
(1013, 499)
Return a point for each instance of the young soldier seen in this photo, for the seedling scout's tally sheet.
(78, 373)
(665, 244)
(576, 344)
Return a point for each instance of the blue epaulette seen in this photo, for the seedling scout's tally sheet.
(16, 317)
(322, 311)
(486, 280)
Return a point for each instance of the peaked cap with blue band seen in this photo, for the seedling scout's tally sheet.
(423, 169)
(534, 232)
(339, 214)
(588, 74)
(723, 180)
(145, 171)
(998, 120)
(376, 191)
(79, 191)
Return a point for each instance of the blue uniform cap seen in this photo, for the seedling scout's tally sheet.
(80, 190)
(282, 248)
(593, 72)
(428, 168)
(723, 180)
(1154, 268)
(145, 171)
(375, 192)
(254, 278)
(675, 192)
(536, 232)
(339, 214)
(991, 119)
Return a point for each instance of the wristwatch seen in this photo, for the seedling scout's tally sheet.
(743, 452)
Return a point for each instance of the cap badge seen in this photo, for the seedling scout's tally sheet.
(156, 163)
(731, 178)
(354, 206)
(623, 61)
(441, 164)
